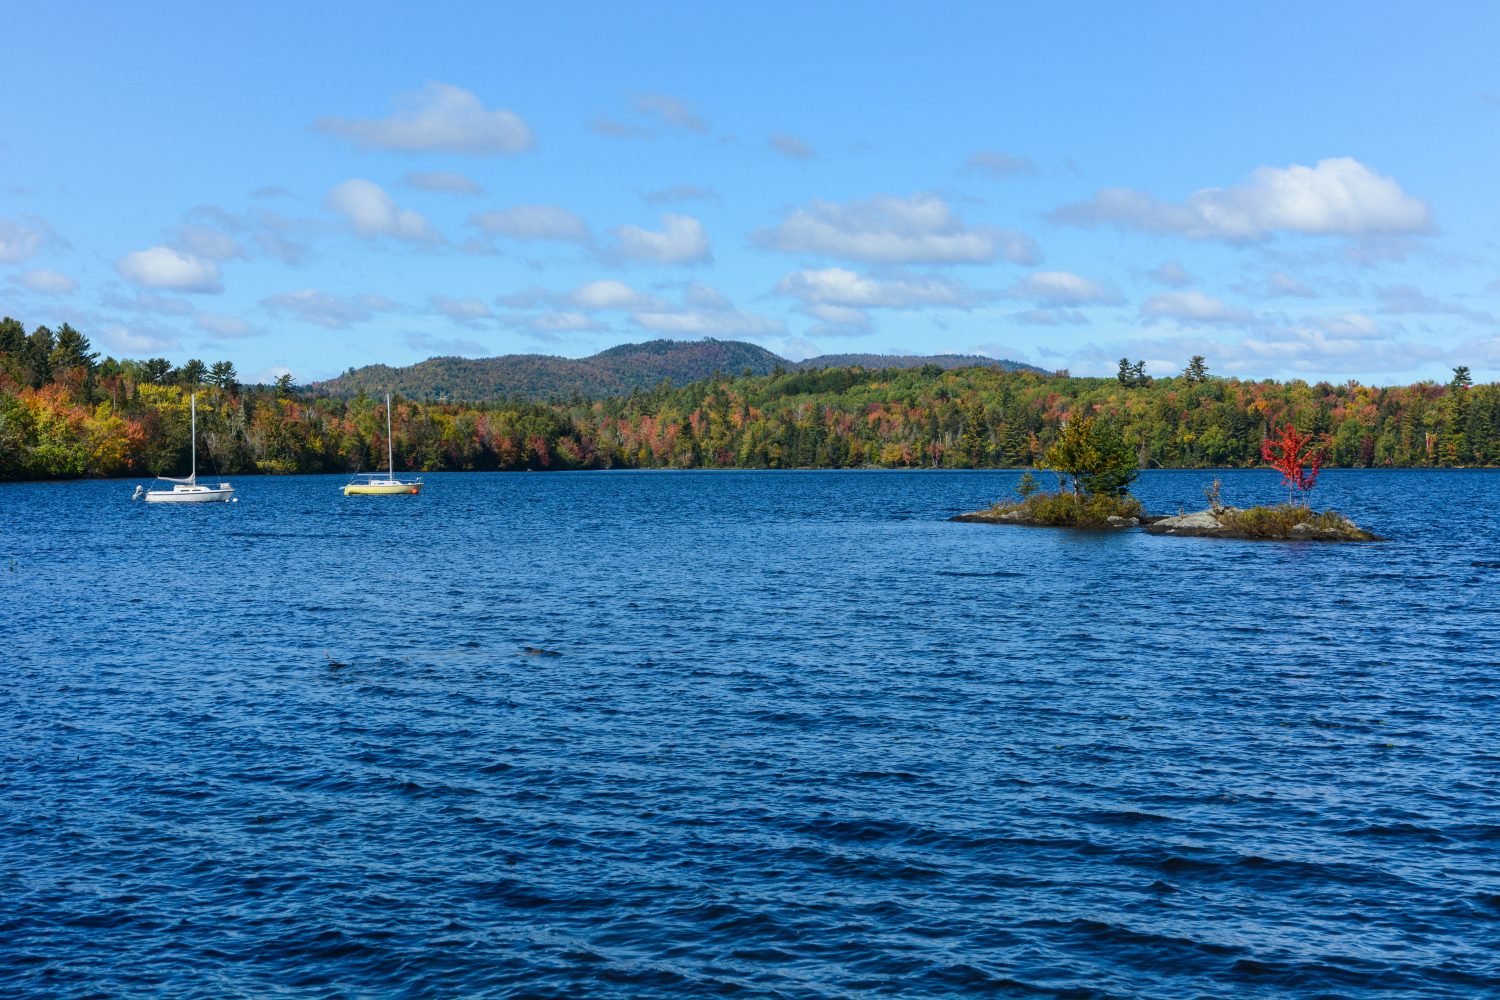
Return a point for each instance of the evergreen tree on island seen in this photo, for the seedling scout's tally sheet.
(1094, 457)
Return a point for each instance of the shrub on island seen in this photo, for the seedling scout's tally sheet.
(1064, 510)
(1299, 459)
(1286, 522)
(1099, 465)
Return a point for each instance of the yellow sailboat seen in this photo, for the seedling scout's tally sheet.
(375, 484)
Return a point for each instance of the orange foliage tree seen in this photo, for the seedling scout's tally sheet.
(1298, 457)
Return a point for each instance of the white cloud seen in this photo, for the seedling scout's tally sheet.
(705, 296)
(921, 229)
(322, 309)
(1326, 347)
(703, 311)
(1282, 283)
(22, 238)
(838, 298)
(228, 327)
(1190, 308)
(999, 164)
(1338, 197)
(1051, 317)
(679, 192)
(682, 240)
(469, 312)
(789, 145)
(373, 212)
(841, 287)
(846, 320)
(605, 125)
(445, 181)
(591, 296)
(1410, 300)
(438, 346)
(708, 323)
(608, 294)
(669, 110)
(535, 222)
(146, 302)
(1350, 326)
(125, 340)
(1062, 288)
(1017, 247)
(45, 281)
(1171, 274)
(163, 267)
(276, 235)
(208, 242)
(548, 324)
(438, 118)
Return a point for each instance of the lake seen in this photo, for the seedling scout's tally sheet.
(803, 738)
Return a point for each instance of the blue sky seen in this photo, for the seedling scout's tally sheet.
(1292, 190)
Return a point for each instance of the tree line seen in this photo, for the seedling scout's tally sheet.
(65, 412)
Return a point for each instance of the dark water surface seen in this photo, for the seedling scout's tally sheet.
(804, 739)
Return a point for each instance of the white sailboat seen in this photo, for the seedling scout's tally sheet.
(188, 490)
(373, 484)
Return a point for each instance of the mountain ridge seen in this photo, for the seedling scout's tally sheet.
(615, 371)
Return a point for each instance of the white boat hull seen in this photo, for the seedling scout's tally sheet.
(223, 493)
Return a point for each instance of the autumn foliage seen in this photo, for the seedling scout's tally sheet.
(66, 412)
(1298, 457)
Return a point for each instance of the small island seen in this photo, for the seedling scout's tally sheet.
(1283, 522)
(1099, 466)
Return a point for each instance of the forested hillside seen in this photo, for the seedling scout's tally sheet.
(880, 361)
(65, 413)
(538, 377)
(615, 372)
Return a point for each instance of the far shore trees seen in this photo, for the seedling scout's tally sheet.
(223, 375)
(65, 411)
(1132, 376)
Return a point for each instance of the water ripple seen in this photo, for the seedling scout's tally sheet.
(775, 735)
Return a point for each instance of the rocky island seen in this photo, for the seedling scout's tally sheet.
(1284, 523)
(1101, 468)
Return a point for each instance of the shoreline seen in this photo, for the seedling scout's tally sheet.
(796, 469)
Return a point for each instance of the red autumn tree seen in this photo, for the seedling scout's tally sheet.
(1296, 457)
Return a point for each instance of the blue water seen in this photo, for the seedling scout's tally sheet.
(805, 738)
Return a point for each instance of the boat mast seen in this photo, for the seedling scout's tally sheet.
(193, 405)
(390, 454)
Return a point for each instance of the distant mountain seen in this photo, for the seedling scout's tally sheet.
(615, 372)
(913, 361)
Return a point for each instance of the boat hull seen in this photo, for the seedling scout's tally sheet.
(199, 495)
(381, 489)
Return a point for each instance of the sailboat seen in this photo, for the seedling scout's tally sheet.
(373, 484)
(188, 490)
